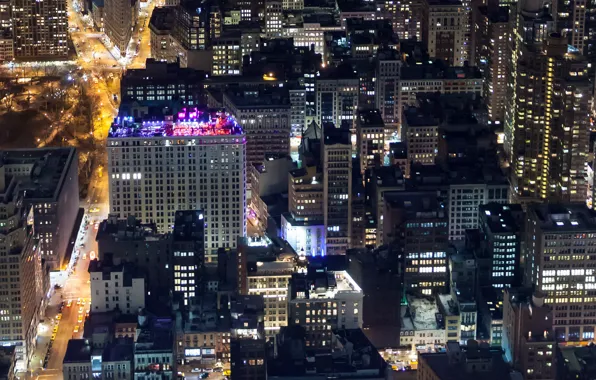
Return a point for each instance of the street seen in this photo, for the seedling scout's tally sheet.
(101, 72)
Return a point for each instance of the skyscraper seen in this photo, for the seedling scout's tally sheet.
(194, 160)
(120, 17)
(547, 131)
(447, 24)
(337, 188)
(40, 30)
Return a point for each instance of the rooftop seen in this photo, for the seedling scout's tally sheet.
(468, 363)
(128, 269)
(502, 218)
(162, 19)
(439, 71)
(321, 284)
(45, 171)
(423, 312)
(564, 218)
(127, 229)
(189, 122)
(370, 118)
(250, 98)
(78, 351)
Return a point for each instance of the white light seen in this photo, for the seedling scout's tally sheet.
(200, 216)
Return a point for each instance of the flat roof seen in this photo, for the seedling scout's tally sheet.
(571, 217)
(48, 169)
(78, 351)
(189, 122)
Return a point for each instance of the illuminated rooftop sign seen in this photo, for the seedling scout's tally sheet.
(186, 123)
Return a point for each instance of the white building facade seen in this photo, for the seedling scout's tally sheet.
(160, 167)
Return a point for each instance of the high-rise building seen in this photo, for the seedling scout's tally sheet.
(40, 30)
(21, 292)
(227, 54)
(387, 88)
(408, 18)
(337, 96)
(417, 222)
(446, 31)
(303, 226)
(273, 18)
(491, 48)
(570, 18)
(266, 268)
(528, 343)
(501, 227)
(119, 19)
(370, 138)
(337, 188)
(265, 119)
(189, 161)
(546, 134)
(49, 178)
(559, 265)
(188, 254)
(322, 300)
(421, 133)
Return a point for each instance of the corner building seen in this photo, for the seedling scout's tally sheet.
(194, 160)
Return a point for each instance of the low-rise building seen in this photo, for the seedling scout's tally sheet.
(422, 325)
(116, 287)
(77, 360)
(153, 351)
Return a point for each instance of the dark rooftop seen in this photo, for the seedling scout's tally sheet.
(78, 351)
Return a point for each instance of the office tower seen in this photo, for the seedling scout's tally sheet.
(227, 56)
(116, 286)
(370, 138)
(491, 55)
(417, 222)
(322, 300)
(173, 160)
(6, 32)
(501, 227)
(570, 21)
(421, 133)
(21, 292)
(247, 346)
(127, 240)
(380, 181)
(551, 165)
(337, 96)
(120, 17)
(161, 26)
(387, 88)
(546, 131)
(188, 254)
(197, 24)
(408, 18)
(447, 20)
(297, 112)
(266, 269)
(528, 342)
(559, 266)
(303, 226)
(159, 83)
(273, 18)
(337, 188)
(265, 119)
(40, 30)
(49, 179)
